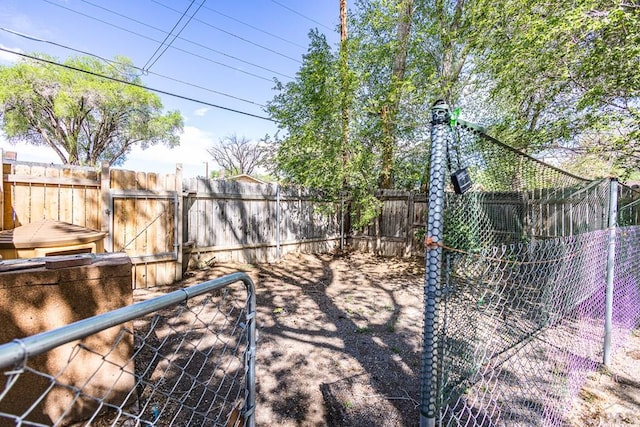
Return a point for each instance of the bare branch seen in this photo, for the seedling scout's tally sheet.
(238, 154)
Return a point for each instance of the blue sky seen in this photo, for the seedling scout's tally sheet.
(230, 48)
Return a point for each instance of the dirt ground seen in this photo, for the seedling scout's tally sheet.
(339, 344)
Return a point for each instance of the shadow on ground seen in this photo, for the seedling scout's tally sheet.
(338, 340)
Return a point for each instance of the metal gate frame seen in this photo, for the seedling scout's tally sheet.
(16, 354)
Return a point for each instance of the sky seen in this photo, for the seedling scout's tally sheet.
(226, 53)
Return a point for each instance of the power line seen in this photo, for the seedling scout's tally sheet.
(111, 62)
(157, 41)
(181, 38)
(232, 34)
(253, 27)
(171, 33)
(164, 92)
(300, 14)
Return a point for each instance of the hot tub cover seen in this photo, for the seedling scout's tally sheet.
(47, 234)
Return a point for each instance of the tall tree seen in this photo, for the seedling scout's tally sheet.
(238, 155)
(83, 117)
(308, 111)
(312, 150)
(565, 75)
(407, 54)
(380, 87)
(389, 110)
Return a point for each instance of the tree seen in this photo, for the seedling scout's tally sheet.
(407, 54)
(565, 75)
(238, 155)
(84, 117)
(391, 105)
(308, 110)
(359, 118)
(313, 151)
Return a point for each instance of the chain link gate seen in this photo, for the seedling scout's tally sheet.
(518, 258)
(182, 359)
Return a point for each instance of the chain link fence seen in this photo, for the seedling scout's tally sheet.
(519, 255)
(182, 359)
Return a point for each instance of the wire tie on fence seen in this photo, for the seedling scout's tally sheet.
(14, 372)
(432, 244)
(25, 352)
(250, 353)
(248, 412)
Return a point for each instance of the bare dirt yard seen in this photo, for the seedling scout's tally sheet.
(339, 344)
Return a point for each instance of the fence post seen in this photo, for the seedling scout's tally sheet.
(341, 220)
(433, 255)
(179, 232)
(1, 189)
(105, 195)
(278, 225)
(408, 249)
(611, 258)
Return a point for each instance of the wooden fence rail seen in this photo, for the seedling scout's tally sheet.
(248, 222)
(157, 219)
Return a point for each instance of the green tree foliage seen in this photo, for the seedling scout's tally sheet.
(565, 75)
(401, 70)
(395, 72)
(84, 118)
(312, 151)
(380, 45)
(546, 77)
(308, 109)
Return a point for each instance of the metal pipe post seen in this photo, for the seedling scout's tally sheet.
(433, 259)
(611, 258)
(278, 219)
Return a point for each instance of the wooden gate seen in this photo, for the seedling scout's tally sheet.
(144, 218)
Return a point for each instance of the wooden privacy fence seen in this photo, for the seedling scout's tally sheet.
(230, 220)
(399, 229)
(540, 214)
(157, 219)
(139, 212)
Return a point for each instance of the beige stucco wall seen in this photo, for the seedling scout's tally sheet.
(37, 299)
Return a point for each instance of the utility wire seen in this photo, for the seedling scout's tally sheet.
(145, 67)
(112, 62)
(232, 34)
(181, 38)
(164, 92)
(170, 33)
(300, 14)
(253, 27)
(157, 41)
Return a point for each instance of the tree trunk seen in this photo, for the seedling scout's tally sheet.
(344, 76)
(389, 111)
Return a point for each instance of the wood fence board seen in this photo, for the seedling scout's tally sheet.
(153, 238)
(8, 207)
(52, 195)
(141, 181)
(21, 197)
(78, 206)
(37, 196)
